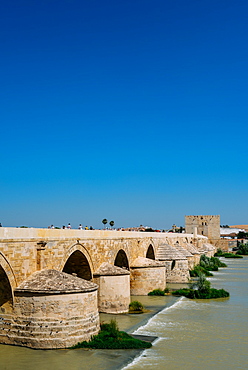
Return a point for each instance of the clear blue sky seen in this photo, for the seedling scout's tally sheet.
(135, 111)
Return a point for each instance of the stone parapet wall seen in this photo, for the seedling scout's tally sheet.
(34, 234)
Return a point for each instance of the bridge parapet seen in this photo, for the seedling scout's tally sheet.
(14, 233)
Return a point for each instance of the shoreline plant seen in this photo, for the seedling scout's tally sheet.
(136, 307)
(206, 265)
(242, 249)
(110, 337)
(201, 289)
(220, 253)
(159, 292)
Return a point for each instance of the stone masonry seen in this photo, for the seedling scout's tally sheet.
(38, 315)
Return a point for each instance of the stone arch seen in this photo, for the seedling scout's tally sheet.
(8, 270)
(150, 253)
(7, 285)
(121, 259)
(77, 261)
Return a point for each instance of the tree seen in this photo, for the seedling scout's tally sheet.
(201, 283)
(242, 235)
(104, 221)
(112, 223)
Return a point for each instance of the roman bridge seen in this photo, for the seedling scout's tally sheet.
(24, 251)
(113, 260)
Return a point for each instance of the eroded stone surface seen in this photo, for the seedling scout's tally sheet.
(114, 293)
(146, 262)
(110, 270)
(52, 281)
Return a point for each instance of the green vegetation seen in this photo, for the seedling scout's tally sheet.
(199, 270)
(211, 263)
(111, 223)
(207, 264)
(104, 221)
(220, 253)
(136, 307)
(159, 292)
(242, 249)
(242, 235)
(110, 337)
(231, 255)
(195, 294)
(203, 291)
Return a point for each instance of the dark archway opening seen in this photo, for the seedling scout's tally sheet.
(6, 298)
(121, 260)
(150, 253)
(78, 264)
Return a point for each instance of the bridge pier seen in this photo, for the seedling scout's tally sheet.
(52, 310)
(113, 288)
(147, 275)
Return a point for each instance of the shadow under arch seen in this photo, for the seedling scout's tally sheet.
(78, 262)
(121, 259)
(150, 253)
(7, 285)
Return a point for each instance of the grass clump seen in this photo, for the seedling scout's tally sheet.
(220, 253)
(136, 307)
(203, 290)
(159, 292)
(232, 255)
(110, 337)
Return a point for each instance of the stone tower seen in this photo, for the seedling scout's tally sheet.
(206, 225)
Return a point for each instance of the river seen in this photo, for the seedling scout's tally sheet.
(202, 334)
(192, 334)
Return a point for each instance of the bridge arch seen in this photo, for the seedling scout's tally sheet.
(77, 261)
(150, 253)
(121, 259)
(7, 285)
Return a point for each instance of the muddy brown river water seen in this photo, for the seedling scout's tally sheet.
(199, 334)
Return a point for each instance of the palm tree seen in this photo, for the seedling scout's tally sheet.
(104, 221)
(112, 223)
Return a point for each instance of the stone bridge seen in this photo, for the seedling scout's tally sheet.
(102, 264)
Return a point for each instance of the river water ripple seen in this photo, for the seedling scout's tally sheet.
(191, 334)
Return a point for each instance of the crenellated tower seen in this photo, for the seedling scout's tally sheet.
(206, 225)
